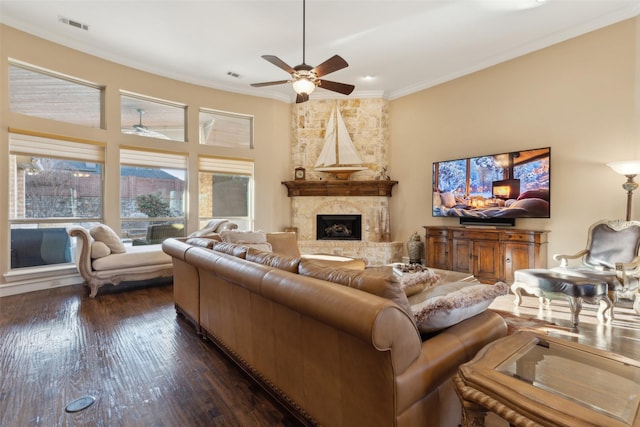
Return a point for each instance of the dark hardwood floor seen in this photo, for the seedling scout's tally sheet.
(143, 363)
(146, 366)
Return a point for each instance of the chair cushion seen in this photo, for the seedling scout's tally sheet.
(557, 282)
(136, 256)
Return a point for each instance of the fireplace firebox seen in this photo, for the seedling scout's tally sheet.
(339, 227)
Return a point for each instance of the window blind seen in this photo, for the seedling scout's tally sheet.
(153, 159)
(230, 166)
(31, 145)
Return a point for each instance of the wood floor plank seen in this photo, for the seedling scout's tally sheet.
(143, 363)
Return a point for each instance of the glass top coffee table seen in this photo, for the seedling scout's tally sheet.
(531, 380)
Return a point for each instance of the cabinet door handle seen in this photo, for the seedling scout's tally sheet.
(508, 260)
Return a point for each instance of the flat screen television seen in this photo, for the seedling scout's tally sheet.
(493, 189)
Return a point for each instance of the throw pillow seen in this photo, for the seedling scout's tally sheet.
(284, 243)
(250, 239)
(104, 233)
(99, 250)
(445, 305)
(416, 282)
(448, 199)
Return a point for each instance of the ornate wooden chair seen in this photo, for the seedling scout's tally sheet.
(610, 270)
(611, 255)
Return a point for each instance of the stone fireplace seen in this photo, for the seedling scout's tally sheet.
(372, 211)
(365, 194)
(338, 227)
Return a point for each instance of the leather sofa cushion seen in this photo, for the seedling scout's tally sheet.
(231, 249)
(382, 284)
(270, 259)
(337, 261)
(203, 242)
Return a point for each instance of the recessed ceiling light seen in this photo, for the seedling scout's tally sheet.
(368, 78)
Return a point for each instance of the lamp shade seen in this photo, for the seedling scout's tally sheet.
(628, 167)
(303, 85)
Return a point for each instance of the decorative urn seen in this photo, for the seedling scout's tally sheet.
(415, 249)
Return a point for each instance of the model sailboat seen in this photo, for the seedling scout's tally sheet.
(338, 155)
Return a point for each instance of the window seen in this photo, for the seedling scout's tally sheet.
(226, 191)
(152, 118)
(226, 129)
(152, 192)
(53, 184)
(52, 96)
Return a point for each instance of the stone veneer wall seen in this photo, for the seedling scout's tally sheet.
(367, 122)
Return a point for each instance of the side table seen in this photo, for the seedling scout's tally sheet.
(531, 380)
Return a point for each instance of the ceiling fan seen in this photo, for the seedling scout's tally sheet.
(305, 78)
(142, 130)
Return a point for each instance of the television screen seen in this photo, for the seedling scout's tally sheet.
(488, 188)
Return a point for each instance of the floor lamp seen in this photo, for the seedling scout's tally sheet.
(630, 169)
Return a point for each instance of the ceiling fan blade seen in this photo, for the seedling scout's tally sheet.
(302, 97)
(332, 64)
(279, 63)
(279, 82)
(342, 88)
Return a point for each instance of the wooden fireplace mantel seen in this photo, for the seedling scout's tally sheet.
(304, 187)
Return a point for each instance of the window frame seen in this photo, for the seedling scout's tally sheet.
(203, 134)
(228, 166)
(98, 115)
(37, 145)
(150, 159)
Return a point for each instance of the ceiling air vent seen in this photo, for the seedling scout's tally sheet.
(73, 23)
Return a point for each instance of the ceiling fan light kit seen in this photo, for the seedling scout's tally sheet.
(303, 86)
(305, 78)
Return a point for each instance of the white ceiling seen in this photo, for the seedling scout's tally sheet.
(404, 46)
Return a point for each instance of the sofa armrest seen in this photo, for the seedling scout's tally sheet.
(442, 354)
(83, 250)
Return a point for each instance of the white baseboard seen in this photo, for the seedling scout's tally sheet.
(38, 284)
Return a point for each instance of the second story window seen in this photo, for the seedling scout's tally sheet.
(45, 94)
(224, 129)
(151, 118)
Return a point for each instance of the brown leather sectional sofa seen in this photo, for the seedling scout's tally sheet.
(334, 355)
